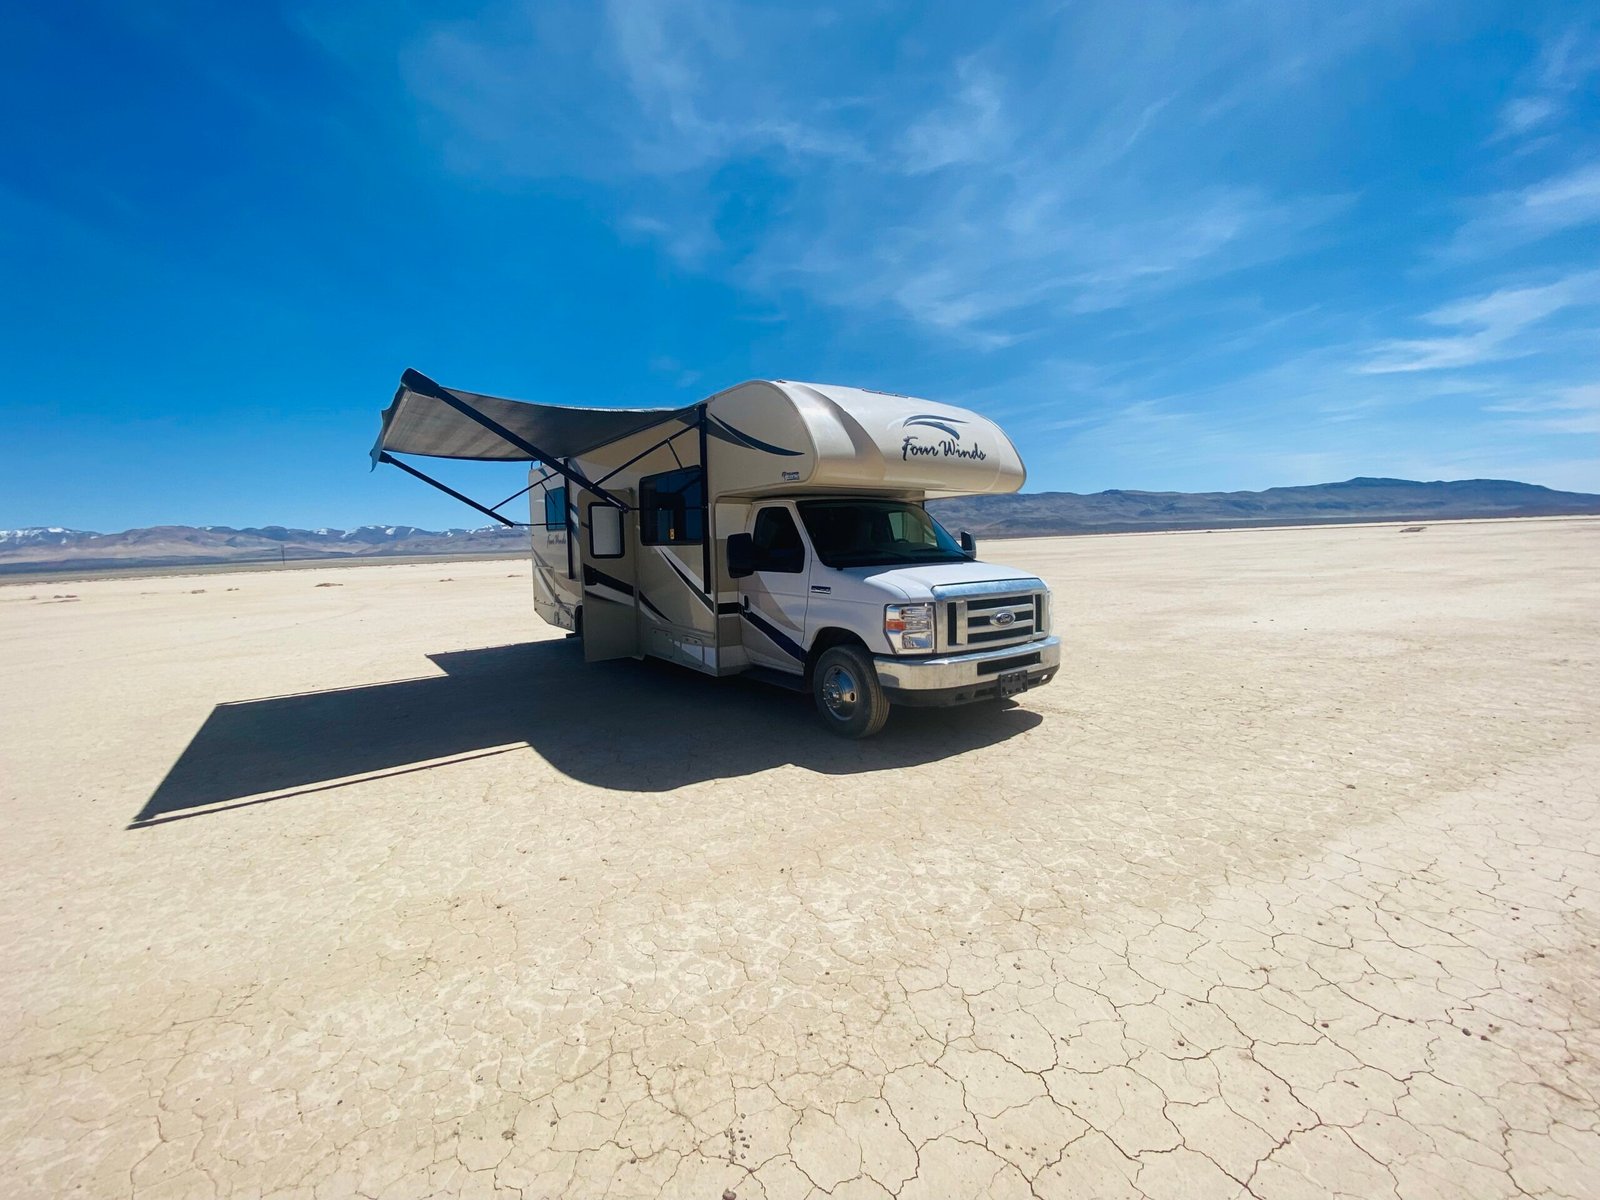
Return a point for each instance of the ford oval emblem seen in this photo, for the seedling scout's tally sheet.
(1004, 618)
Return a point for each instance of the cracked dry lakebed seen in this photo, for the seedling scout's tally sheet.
(1286, 887)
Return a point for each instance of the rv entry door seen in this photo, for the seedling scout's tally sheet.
(606, 549)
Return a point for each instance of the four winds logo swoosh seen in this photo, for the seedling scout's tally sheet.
(936, 421)
(948, 446)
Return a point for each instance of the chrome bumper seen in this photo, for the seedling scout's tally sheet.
(959, 672)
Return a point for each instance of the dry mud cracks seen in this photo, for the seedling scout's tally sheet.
(1287, 887)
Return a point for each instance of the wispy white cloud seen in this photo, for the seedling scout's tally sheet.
(1542, 209)
(1522, 113)
(1488, 327)
(640, 89)
(995, 264)
(678, 59)
(667, 366)
(970, 129)
(689, 242)
(1566, 63)
(1570, 410)
(1038, 173)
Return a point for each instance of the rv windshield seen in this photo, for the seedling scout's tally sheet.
(876, 533)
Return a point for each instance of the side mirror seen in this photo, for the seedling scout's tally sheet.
(969, 544)
(741, 555)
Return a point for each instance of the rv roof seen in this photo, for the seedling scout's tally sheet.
(852, 437)
(883, 441)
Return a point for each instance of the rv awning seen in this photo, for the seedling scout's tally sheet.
(441, 422)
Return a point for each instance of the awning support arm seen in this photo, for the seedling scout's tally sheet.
(666, 441)
(513, 496)
(385, 456)
(422, 385)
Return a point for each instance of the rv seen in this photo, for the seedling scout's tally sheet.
(776, 529)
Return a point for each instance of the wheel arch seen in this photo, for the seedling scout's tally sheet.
(826, 639)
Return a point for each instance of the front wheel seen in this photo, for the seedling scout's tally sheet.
(848, 694)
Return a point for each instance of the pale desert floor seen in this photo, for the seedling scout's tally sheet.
(358, 882)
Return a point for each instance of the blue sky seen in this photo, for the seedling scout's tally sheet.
(1169, 246)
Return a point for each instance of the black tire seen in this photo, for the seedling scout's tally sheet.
(849, 697)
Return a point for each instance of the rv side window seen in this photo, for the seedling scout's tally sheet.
(555, 508)
(605, 532)
(672, 508)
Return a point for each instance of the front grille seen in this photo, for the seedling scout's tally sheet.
(987, 616)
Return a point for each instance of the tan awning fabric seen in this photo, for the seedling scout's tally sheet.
(423, 420)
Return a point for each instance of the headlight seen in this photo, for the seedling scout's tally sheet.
(909, 626)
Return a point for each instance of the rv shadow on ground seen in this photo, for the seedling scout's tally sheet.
(630, 726)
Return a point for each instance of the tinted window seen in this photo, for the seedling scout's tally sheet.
(871, 533)
(555, 508)
(777, 542)
(672, 508)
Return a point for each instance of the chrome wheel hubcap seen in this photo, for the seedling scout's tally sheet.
(839, 692)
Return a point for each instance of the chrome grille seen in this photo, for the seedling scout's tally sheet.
(986, 615)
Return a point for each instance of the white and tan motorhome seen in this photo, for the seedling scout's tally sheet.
(776, 528)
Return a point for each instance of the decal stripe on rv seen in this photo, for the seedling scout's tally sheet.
(721, 430)
(779, 638)
(601, 579)
(591, 575)
(694, 584)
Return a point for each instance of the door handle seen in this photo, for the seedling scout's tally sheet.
(744, 603)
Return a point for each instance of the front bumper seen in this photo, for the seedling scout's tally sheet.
(964, 678)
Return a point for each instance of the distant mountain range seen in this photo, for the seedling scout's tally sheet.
(1022, 515)
(55, 548)
(1039, 513)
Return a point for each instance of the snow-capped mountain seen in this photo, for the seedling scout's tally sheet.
(53, 535)
(175, 545)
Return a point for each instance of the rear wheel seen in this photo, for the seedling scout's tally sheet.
(848, 694)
